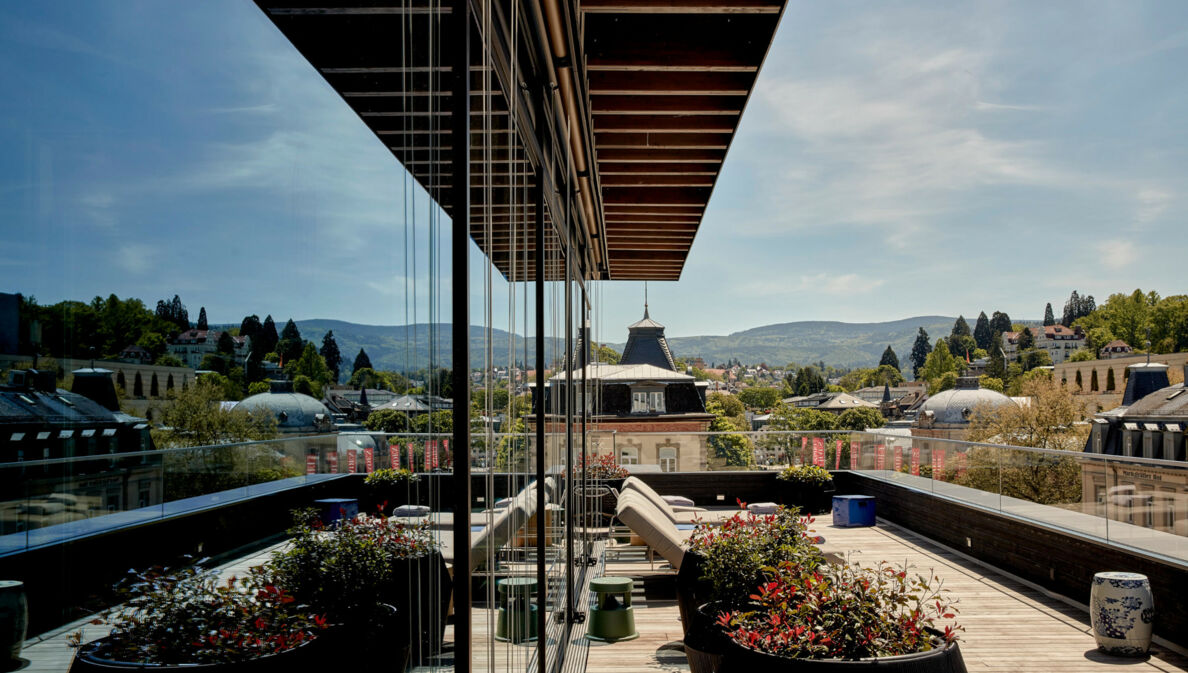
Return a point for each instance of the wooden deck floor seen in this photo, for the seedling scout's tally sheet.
(1010, 627)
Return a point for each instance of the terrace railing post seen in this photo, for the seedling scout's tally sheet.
(460, 304)
(541, 416)
(569, 400)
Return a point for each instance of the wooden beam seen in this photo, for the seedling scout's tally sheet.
(659, 155)
(620, 181)
(682, 6)
(666, 123)
(606, 168)
(680, 141)
(651, 83)
(667, 104)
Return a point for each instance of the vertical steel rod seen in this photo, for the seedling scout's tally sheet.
(542, 589)
(569, 398)
(460, 299)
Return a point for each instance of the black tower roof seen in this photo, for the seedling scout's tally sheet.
(646, 344)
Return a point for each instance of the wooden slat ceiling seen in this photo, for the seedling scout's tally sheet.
(668, 81)
(665, 85)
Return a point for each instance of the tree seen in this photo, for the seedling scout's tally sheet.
(1077, 307)
(226, 344)
(991, 383)
(787, 418)
(1169, 324)
(1082, 355)
(997, 365)
(212, 362)
(1080, 382)
(760, 398)
(1049, 318)
(267, 337)
(730, 404)
(389, 421)
(1000, 322)
(982, 334)
(196, 418)
(1110, 380)
(1025, 339)
(331, 355)
(890, 358)
(808, 381)
(250, 327)
(939, 362)
(290, 345)
(1093, 381)
(860, 418)
(960, 327)
(946, 381)
(168, 361)
(258, 387)
(311, 366)
(962, 346)
(605, 354)
(728, 442)
(154, 343)
(361, 361)
(920, 350)
(202, 324)
(1034, 357)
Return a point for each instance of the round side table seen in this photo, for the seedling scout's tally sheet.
(611, 615)
(1122, 612)
(516, 622)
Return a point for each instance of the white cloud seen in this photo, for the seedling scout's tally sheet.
(1117, 254)
(136, 258)
(1152, 203)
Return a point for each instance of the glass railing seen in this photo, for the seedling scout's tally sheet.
(1138, 503)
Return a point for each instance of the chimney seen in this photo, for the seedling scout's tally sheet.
(97, 385)
(1145, 378)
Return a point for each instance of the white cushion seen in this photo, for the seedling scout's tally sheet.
(763, 507)
(411, 511)
(679, 500)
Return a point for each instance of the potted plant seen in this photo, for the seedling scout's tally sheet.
(725, 562)
(839, 616)
(602, 470)
(387, 486)
(357, 573)
(809, 487)
(188, 619)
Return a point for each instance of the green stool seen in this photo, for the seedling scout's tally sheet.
(611, 618)
(517, 614)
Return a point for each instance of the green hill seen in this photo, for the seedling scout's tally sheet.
(835, 343)
(399, 347)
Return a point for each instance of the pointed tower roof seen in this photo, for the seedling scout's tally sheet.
(646, 344)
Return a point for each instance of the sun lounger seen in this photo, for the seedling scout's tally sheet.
(654, 527)
(678, 514)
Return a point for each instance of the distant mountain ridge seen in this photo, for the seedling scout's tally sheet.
(835, 343)
(404, 347)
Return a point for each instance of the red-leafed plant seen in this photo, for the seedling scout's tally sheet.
(189, 616)
(843, 611)
(601, 467)
(737, 553)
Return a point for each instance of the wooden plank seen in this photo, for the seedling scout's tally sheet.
(653, 83)
(682, 6)
(666, 123)
(668, 104)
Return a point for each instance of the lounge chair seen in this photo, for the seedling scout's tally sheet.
(653, 526)
(678, 514)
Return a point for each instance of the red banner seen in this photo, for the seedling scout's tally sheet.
(445, 450)
(819, 451)
(962, 460)
(311, 463)
(854, 451)
(429, 445)
(880, 457)
(898, 461)
(394, 455)
(352, 461)
(916, 460)
(804, 450)
(938, 463)
(369, 460)
(837, 455)
(332, 460)
(412, 458)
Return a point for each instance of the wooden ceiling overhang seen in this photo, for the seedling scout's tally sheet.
(635, 118)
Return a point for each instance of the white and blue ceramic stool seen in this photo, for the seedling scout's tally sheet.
(1122, 612)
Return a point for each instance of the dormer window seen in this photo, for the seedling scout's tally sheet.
(647, 400)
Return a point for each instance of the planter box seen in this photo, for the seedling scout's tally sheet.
(315, 653)
(810, 499)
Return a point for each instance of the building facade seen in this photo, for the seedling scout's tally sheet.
(193, 345)
(1059, 341)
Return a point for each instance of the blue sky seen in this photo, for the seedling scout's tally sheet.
(896, 159)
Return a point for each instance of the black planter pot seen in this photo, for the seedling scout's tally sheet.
(810, 499)
(705, 642)
(420, 592)
(691, 590)
(376, 644)
(313, 653)
(738, 659)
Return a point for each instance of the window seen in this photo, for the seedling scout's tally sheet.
(647, 402)
(668, 459)
(629, 456)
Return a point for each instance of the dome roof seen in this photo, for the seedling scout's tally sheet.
(294, 412)
(953, 406)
